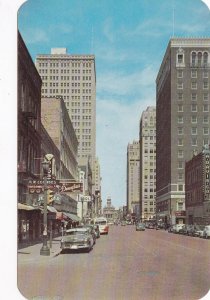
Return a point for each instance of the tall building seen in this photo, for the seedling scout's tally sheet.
(147, 141)
(133, 177)
(183, 116)
(74, 78)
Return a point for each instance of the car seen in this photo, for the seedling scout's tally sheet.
(151, 226)
(123, 223)
(170, 228)
(190, 229)
(177, 227)
(183, 230)
(91, 229)
(206, 232)
(140, 227)
(77, 239)
(198, 230)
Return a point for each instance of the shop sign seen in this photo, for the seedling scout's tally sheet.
(180, 213)
(70, 186)
(207, 175)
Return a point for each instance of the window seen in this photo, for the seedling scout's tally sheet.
(180, 96)
(180, 119)
(205, 130)
(180, 85)
(193, 96)
(179, 74)
(180, 153)
(205, 58)
(180, 131)
(205, 119)
(193, 119)
(205, 107)
(180, 58)
(193, 58)
(194, 142)
(180, 108)
(180, 142)
(205, 74)
(180, 164)
(193, 74)
(193, 85)
(194, 130)
(205, 97)
(205, 85)
(194, 107)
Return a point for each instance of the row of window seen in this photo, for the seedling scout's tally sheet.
(194, 142)
(63, 71)
(67, 78)
(61, 63)
(83, 117)
(77, 124)
(65, 91)
(194, 96)
(194, 74)
(194, 119)
(194, 85)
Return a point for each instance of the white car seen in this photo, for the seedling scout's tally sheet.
(206, 232)
(177, 227)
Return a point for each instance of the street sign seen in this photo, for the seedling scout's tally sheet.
(85, 198)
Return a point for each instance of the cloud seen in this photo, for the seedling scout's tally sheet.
(35, 36)
(121, 83)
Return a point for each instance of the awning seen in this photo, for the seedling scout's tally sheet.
(72, 217)
(52, 209)
(27, 207)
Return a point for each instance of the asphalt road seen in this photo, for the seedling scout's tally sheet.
(125, 265)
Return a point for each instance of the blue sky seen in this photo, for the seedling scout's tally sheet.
(129, 39)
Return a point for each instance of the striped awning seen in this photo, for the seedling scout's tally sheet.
(22, 206)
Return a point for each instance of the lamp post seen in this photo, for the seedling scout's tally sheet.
(45, 250)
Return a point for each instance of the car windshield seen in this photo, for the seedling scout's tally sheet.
(76, 232)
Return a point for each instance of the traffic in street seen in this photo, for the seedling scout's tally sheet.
(124, 264)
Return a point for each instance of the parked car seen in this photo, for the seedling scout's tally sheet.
(170, 228)
(206, 232)
(92, 230)
(151, 226)
(190, 229)
(123, 223)
(77, 239)
(198, 230)
(140, 227)
(177, 227)
(183, 230)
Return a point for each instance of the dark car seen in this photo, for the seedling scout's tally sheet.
(140, 227)
(151, 226)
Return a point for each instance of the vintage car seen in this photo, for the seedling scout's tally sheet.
(140, 227)
(77, 239)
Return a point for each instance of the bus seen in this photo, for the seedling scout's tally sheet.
(103, 225)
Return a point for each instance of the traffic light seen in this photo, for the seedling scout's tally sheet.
(50, 196)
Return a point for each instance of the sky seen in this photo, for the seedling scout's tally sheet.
(128, 39)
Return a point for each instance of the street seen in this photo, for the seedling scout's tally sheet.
(126, 264)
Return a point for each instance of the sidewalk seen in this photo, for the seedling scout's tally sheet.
(33, 251)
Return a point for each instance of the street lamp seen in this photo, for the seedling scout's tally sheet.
(45, 250)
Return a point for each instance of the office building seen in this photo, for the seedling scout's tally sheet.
(182, 95)
(147, 141)
(74, 78)
(133, 177)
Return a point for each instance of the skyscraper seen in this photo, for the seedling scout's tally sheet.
(133, 177)
(183, 116)
(147, 141)
(74, 78)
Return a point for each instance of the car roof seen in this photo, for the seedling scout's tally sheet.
(78, 229)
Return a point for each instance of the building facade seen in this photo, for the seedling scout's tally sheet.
(57, 123)
(147, 142)
(109, 211)
(133, 181)
(74, 78)
(197, 188)
(182, 97)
